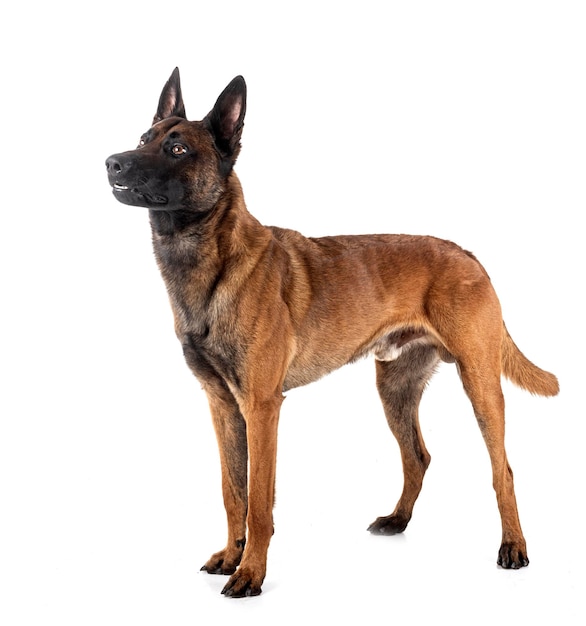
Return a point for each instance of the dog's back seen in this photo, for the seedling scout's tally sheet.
(260, 310)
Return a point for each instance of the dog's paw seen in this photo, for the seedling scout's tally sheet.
(223, 562)
(218, 568)
(390, 525)
(513, 556)
(245, 582)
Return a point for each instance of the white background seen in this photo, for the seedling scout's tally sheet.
(464, 120)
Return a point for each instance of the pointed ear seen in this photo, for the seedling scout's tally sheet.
(226, 119)
(171, 100)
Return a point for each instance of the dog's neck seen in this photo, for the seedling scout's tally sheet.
(202, 245)
(173, 223)
(192, 224)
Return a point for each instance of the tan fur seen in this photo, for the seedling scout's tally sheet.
(519, 370)
(260, 310)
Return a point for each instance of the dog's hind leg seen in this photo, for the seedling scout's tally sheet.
(400, 384)
(482, 384)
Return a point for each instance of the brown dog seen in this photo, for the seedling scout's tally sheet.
(261, 310)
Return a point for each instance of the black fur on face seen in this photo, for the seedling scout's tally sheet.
(181, 165)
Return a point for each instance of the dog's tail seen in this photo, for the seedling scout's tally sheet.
(520, 371)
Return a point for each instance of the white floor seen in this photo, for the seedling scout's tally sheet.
(442, 118)
(110, 517)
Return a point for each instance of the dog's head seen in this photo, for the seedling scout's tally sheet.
(178, 164)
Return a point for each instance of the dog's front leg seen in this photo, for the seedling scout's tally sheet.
(231, 434)
(262, 419)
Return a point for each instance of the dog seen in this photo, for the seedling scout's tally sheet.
(260, 310)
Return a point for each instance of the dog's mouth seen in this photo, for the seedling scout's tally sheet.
(136, 196)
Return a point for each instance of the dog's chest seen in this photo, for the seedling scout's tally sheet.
(190, 277)
(193, 280)
(212, 360)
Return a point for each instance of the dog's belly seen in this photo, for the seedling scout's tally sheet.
(392, 345)
(303, 371)
(308, 367)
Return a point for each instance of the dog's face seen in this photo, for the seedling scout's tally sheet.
(181, 165)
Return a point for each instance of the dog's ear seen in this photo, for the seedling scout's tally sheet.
(226, 119)
(171, 100)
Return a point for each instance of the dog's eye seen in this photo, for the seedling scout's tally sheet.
(178, 149)
(142, 141)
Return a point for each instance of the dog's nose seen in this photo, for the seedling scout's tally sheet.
(113, 165)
